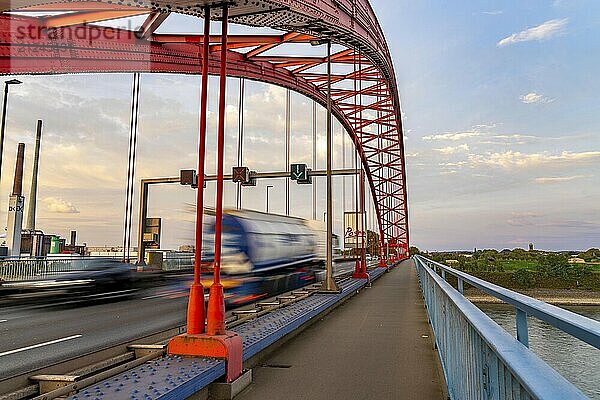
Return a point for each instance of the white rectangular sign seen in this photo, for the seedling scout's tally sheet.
(354, 234)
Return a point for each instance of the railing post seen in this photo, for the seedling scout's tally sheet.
(522, 331)
(461, 286)
(443, 274)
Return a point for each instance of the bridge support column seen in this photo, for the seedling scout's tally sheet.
(360, 268)
(216, 342)
(382, 258)
(196, 307)
(329, 284)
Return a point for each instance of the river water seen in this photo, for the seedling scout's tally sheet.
(575, 360)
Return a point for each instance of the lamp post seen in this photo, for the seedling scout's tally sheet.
(268, 187)
(329, 284)
(4, 109)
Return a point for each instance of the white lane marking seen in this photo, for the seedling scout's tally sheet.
(156, 296)
(3, 320)
(40, 345)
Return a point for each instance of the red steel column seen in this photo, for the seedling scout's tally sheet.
(363, 260)
(382, 256)
(360, 267)
(361, 179)
(196, 311)
(356, 180)
(215, 323)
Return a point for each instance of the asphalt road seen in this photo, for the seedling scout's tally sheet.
(32, 337)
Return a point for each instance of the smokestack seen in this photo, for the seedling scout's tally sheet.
(15, 207)
(34, 180)
(18, 182)
(73, 238)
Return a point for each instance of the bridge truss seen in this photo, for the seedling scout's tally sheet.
(40, 37)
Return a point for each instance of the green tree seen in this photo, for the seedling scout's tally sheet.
(524, 278)
(414, 251)
(592, 254)
(519, 254)
(555, 264)
(373, 244)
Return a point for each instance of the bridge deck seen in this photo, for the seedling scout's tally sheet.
(372, 347)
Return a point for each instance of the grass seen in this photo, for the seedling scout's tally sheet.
(594, 266)
(513, 265)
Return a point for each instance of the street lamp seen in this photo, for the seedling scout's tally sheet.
(4, 108)
(268, 187)
(329, 284)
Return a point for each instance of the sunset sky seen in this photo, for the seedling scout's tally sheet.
(500, 113)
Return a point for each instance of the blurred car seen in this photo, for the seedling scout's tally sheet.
(90, 277)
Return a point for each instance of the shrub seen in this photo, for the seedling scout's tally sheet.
(524, 278)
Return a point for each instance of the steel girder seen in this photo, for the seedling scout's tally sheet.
(365, 98)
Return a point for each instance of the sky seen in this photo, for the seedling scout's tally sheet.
(500, 115)
(501, 120)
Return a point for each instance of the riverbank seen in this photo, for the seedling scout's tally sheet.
(559, 297)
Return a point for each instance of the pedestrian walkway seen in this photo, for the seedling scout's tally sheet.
(377, 345)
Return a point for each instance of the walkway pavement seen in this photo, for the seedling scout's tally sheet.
(377, 345)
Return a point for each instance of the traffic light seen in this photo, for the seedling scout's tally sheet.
(242, 175)
(251, 181)
(300, 173)
(188, 177)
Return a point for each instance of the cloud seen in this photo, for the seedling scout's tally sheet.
(511, 159)
(493, 12)
(453, 164)
(557, 179)
(449, 172)
(524, 219)
(544, 31)
(453, 136)
(516, 136)
(57, 205)
(453, 149)
(512, 139)
(533, 97)
(476, 130)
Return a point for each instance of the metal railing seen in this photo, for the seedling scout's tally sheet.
(479, 358)
(21, 269)
(178, 264)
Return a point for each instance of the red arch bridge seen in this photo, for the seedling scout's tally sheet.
(479, 359)
(61, 38)
(364, 100)
(41, 37)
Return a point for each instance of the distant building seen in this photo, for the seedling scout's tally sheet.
(452, 262)
(187, 248)
(37, 244)
(530, 246)
(110, 251)
(576, 260)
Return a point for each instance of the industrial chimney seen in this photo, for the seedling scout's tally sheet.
(34, 180)
(15, 207)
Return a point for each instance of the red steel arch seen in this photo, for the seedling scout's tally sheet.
(60, 39)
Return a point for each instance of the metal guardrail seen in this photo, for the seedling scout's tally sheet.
(480, 359)
(178, 264)
(20, 269)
